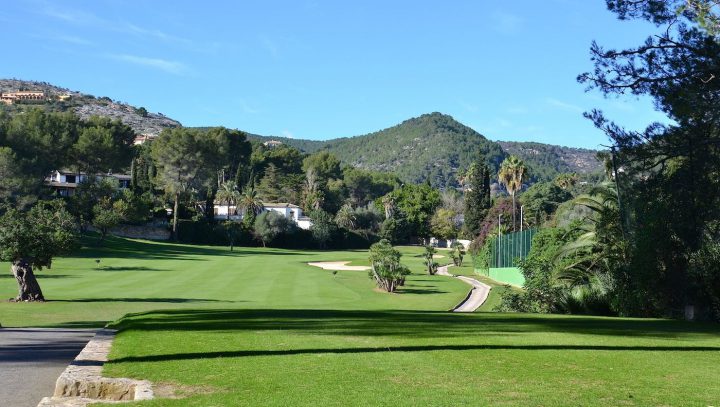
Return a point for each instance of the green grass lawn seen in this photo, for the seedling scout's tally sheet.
(135, 276)
(260, 327)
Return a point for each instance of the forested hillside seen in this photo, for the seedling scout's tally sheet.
(435, 147)
(432, 147)
(306, 146)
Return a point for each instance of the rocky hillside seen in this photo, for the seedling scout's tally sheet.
(546, 160)
(61, 99)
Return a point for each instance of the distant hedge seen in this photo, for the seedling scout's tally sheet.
(202, 232)
(206, 233)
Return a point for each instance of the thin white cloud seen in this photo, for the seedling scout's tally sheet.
(505, 23)
(288, 134)
(83, 18)
(173, 67)
(563, 105)
(74, 16)
(157, 34)
(74, 40)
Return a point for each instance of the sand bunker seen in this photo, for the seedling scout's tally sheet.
(438, 256)
(338, 265)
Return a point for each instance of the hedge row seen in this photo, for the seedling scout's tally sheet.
(203, 232)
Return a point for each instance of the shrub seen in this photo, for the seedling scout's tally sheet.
(457, 253)
(430, 262)
(271, 226)
(386, 270)
(323, 229)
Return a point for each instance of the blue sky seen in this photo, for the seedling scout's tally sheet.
(324, 69)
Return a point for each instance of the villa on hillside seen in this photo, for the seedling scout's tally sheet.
(64, 182)
(141, 138)
(272, 143)
(288, 210)
(22, 96)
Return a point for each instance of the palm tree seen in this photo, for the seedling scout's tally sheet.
(566, 180)
(388, 202)
(250, 202)
(600, 246)
(512, 175)
(229, 194)
(346, 217)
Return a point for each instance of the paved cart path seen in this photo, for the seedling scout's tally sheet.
(477, 296)
(31, 359)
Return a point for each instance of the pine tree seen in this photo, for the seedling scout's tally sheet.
(269, 188)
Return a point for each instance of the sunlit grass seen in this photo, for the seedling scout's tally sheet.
(261, 327)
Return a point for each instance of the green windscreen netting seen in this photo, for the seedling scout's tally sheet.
(509, 247)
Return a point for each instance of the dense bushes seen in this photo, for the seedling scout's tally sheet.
(205, 233)
(705, 272)
(546, 291)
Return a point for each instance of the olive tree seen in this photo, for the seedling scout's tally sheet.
(107, 215)
(29, 241)
(271, 225)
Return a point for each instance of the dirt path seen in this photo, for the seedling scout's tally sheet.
(477, 296)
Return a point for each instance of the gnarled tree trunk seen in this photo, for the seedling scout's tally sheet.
(28, 287)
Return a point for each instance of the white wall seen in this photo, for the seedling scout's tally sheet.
(221, 212)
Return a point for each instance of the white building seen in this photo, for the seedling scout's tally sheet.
(64, 182)
(288, 210)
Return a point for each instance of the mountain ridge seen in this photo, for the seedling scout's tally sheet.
(432, 147)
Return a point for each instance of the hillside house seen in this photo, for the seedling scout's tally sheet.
(22, 96)
(288, 210)
(272, 143)
(141, 138)
(64, 182)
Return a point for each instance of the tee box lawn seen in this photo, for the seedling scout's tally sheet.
(261, 327)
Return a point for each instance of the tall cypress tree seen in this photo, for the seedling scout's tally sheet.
(269, 187)
(477, 197)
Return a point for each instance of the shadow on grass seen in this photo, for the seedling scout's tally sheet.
(406, 324)
(118, 247)
(474, 331)
(41, 276)
(140, 268)
(423, 348)
(420, 290)
(167, 300)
